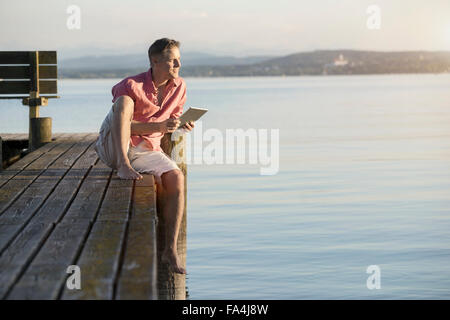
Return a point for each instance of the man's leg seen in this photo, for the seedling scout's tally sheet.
(123, 110)
(173, 183)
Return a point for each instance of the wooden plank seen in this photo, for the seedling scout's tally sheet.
(89, 158)
(71, 142)
(47, 57)
(14, 72)
(18, 215)
(14, 187)
(72, 155)
(138, 280)
(15, 258)
(22, 57)
(138, 277)
(38, 189)
(32, 156)
(57, 135)
(21, 251)
(144, 199)
(100, 257)
(117, 200)
(67, 188)
(24, 136)
(47, 273)
(21, 164)
(23, 72)
(37, 193)
(74, 136)
(24, 87)
(99, 261)
(87, 203)
(14, 136)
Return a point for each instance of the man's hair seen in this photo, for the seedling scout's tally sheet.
(161, 46)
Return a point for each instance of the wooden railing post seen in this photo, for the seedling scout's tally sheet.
(34, 94)
(172, 286)
(40, 132)
(40, 129)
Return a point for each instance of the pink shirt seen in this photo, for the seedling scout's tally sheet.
(142, 90)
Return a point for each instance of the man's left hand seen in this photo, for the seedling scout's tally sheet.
(188, 125)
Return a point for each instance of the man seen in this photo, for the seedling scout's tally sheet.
(146, 106)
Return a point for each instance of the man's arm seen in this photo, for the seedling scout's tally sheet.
(143, 128)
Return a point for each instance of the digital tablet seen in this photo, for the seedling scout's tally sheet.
(193, 114)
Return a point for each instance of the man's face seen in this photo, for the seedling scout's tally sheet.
(168, 64)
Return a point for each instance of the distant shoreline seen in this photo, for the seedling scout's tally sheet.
(325, 62)
(260, 76)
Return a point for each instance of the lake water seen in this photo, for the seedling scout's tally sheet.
(364, 179)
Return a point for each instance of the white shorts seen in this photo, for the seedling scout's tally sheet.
(146, 161)
(141, 159)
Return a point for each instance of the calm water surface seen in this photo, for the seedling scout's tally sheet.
(364, 179)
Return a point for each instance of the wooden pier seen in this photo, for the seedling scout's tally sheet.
(61, 206)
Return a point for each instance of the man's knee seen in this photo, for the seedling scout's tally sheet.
(124, 104)
(173, 181)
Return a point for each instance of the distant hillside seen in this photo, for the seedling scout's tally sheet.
(335, 62)
(139, 61)
(307, 63)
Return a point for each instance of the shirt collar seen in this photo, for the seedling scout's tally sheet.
(151, 85)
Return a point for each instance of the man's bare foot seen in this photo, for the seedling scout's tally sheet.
(171, 258)
(127, 172)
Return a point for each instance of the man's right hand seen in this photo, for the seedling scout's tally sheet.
(169, 125)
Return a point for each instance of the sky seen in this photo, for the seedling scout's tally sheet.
(224, 27)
